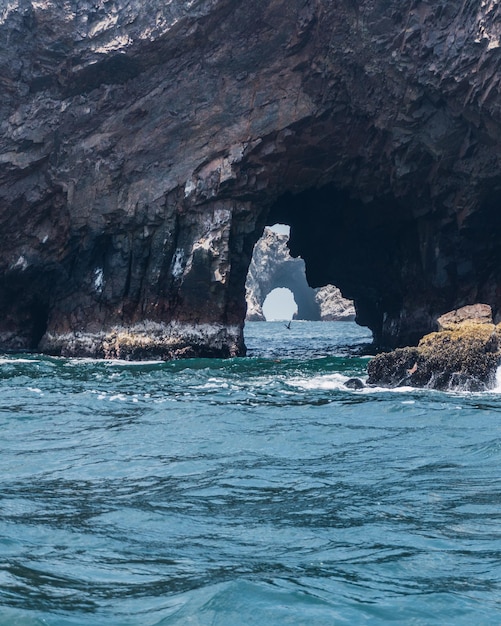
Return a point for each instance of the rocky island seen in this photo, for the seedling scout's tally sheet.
(145, 145)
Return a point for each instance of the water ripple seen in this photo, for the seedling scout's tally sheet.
(248, 491)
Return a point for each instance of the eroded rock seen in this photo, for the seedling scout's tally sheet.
(145, 144)
(464, 356)
(473, 314)
(333, 307)
(272, 267)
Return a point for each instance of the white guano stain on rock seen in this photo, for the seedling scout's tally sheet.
(178, 263)
(20, 264)
(98, 279)
(189, 188)
(214, 241)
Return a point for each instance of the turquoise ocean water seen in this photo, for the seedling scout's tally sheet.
(250, 491)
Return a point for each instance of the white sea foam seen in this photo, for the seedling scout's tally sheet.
(327, 381)
(121, 397)
(497, 381)
(109, 362)
(390, 389)
(214, 383)
(80, 361)
(337, 382)
(7, 360)
(134, 363)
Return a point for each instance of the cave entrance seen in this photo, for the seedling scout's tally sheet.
(358, 244)
(276, 285)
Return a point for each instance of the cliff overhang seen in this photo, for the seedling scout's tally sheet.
(145, 145)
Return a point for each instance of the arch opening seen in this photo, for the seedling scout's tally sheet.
(281, 229)
(274, 272)
(360, 245)
(272, 267)
(279, 305)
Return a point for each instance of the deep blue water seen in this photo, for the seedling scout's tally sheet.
(250, 491)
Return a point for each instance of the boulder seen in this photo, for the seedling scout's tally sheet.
(354, 383)
(473, 313)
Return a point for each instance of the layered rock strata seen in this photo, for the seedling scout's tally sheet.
(145, 144)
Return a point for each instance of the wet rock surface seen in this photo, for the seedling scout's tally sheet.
(465, 356)
(145, 145)
(354, 383)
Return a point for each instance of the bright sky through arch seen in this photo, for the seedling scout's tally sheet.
(279, 305)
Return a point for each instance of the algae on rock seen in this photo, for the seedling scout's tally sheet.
(464, 356)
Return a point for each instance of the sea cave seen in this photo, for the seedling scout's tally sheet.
(141, 159)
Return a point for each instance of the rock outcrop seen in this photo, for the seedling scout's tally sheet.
(464, 355)
(333, 307)
(145, 144)
(272, 267)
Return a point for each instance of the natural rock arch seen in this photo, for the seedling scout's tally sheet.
(278, 306)
(141, 157)
(272, 267)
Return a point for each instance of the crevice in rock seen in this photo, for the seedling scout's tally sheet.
(39, 315)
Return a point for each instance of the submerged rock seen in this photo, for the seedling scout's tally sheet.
(463, 356)
(354, 383)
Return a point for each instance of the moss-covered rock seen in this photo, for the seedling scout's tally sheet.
(465, 356)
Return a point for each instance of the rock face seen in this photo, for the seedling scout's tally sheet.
(273, 267)
(465, 355)
(145, 144)
(474, 314)
(333, 307)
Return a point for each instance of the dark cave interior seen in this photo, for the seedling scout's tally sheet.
(358, 247)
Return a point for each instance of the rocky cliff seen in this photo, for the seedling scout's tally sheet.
(145, 144)
(272, 267)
